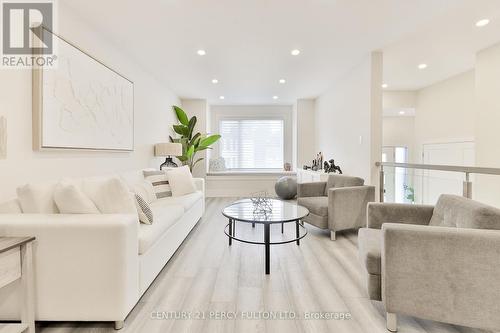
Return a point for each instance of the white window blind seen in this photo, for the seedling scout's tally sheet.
(252, 143)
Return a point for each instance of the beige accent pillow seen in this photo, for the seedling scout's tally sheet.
(181, 181)
(10, 207)
(70, 199)
(37, 198)
(110, 195)
(145, 190)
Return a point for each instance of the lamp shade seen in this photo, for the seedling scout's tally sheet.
(168, 149)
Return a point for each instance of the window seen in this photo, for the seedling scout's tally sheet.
(252, 143)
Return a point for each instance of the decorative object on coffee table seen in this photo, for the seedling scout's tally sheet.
(287, 167)
(282, 212)
(168, 150)
(286, 187)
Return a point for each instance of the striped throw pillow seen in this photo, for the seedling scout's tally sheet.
(143, 209)
(160, 183)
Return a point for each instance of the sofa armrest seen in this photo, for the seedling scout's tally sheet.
(199, 183)
(441, 273)
(380, 213)
(347, 206)
(85, 265)
(315, 189)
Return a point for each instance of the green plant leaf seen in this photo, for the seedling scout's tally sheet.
(200, 148)
(181, 129)
(191, 125)
(182, 158)
(170, 138)
(198, 160)
(209, 140)
(190, 152)
(195, 139)
(181, 115)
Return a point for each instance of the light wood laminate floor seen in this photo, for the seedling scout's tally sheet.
(207, 276)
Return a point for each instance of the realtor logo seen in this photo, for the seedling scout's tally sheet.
(19, 27)
(27, 39)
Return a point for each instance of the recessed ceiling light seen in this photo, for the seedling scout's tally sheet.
(401, 112)
(482, 23)
(221, 97)
(215, 81)
(282, 81)
(384, 85)
(201, 52)
(275, 97)
(422, 66)
(295, 52)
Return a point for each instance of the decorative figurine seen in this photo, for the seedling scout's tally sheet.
(330, 167)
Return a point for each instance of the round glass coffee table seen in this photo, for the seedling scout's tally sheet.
(265, 212)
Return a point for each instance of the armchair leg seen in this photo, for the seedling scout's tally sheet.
(333, 236)
(392, 322)
(119, 324)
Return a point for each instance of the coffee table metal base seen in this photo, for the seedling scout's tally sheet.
(230, 231)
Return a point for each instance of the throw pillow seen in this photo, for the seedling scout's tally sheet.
(110, 195)
(146, 190)
(181, 181)
(160, 183)
(10, 207)
(37, 198)
(71, 200)
(143, 209)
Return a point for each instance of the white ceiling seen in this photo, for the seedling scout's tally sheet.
(248, 42)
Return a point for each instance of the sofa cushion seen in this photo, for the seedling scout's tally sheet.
(460, 212)
(342, 181)
(187, 201)
(164, 217)
(143, 209)
(37, 198)
(110, 195)
(181, 181)
(10, 207)
(70, 199)
(159, 180)
(370, 249)
(316, 205)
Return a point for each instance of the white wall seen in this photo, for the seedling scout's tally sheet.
(399, 132)
(153, 118)
(349, 120)
(445, 112)
(306, 137)
(487, 126)
(399, 99)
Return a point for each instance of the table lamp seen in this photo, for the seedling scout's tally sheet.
(168, 149)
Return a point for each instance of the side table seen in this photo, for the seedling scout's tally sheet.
(16, 262)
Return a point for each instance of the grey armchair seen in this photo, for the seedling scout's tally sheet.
(438, 263)
(337, 204)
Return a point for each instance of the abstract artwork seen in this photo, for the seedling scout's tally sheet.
(3, 138)
(82, 104)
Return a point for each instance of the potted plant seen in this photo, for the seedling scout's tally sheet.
(191, 142)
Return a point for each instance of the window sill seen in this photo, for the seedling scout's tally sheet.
(251, 173)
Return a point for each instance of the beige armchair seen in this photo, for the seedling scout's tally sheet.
(438, 263)
(337, 204)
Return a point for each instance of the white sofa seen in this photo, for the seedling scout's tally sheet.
(95, 267)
